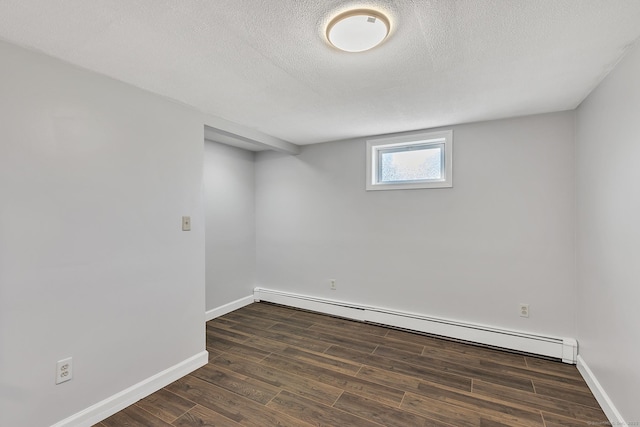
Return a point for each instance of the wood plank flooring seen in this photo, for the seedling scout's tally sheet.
(275, 366)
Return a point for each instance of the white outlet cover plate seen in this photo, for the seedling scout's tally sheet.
(64, 370)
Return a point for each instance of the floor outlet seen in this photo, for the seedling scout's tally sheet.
(64, 371)
(524, 310)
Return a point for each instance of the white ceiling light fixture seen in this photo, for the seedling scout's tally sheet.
(358, 30)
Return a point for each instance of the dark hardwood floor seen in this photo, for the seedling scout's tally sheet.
(274, 366)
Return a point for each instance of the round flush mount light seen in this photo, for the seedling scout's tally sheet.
(358, 30)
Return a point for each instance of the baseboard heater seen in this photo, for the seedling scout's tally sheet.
(565, 349)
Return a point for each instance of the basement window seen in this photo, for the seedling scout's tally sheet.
(410, 161)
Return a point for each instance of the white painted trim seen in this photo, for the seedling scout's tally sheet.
(228, 308)
(614, 417)
(109, 406)
(374, 146)
(569, 350)
(561, 348)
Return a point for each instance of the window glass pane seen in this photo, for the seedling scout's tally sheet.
(422, 163)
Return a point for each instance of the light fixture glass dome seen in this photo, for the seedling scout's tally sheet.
(358, 30)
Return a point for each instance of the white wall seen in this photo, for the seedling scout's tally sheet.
(608, 170)
(229, 192)
(504, 234)
(94, 178)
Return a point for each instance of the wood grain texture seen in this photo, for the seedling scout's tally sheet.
(383, 414)
(315, 413)
(200, 416)
(134, 416)
(165, 405)
(271, 365)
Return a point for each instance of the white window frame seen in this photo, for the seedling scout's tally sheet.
(375, 146)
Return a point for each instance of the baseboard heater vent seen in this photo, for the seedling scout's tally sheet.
(558, 348)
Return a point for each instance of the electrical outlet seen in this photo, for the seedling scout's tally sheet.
(186, 223)
(332, 284)
(524, 310)
(64, 370)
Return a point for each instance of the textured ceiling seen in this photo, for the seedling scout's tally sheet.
(264, 64)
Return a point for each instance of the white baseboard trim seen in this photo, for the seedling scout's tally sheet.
(109, 406)
(614, 417)
(228, 308)
(561, 348)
